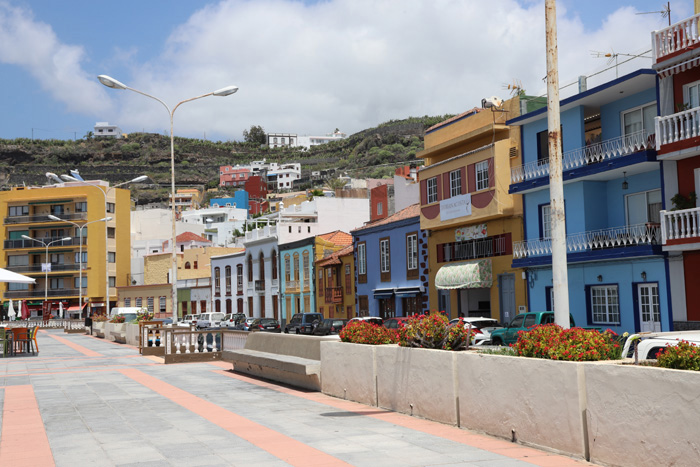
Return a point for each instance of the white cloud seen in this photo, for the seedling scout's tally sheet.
(311, 68)
(33, 46)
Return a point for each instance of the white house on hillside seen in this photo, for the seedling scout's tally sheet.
(105, 130)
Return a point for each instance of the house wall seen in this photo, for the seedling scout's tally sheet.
(306, 287)
(611, 113)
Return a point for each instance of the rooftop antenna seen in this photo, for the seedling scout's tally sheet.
(666, 12)
(612, 57)
(515, 87)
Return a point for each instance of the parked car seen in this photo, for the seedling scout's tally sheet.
(209, 320)
(482, 328)
(231, 320)
(188, 320)
(650, 343)
(303, 323)
(164, 321)
(394, 323)
(330, 326)
(368, 319)
(522, 322)
(265, 324)
(244, 325)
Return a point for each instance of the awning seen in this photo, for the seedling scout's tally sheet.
(75, 308)
(467, 275)
(383, 293)
(14, 278)
(409, 291)
(672, 70)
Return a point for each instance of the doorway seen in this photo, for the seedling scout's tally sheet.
(649, 308)
(506, 295)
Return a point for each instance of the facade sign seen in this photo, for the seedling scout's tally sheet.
(457, 206)
(45, 267)
(471, 232)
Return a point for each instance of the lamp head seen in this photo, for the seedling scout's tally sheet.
(111, 82)
(106, 219)
(68, 178)
(54, 177)
(139, 179)
(54, 218)
(66, 239)
(27, 237)
(227, 91)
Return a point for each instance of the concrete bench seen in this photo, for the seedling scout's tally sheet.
(290, 359)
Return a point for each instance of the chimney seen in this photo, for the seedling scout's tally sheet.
(412, 171)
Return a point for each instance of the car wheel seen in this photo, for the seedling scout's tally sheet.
(497, 341)
(298, 331)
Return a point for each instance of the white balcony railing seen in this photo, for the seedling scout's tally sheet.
(674, 38)
(616, 237)
(677, 127)
(676, 225)
(605, 150)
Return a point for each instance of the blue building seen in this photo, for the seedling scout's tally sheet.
(391, 266)
(612, 190)
(238, 200)
(297, 291)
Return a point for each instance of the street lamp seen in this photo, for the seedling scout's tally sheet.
(80, 254)
(46, 266)
(69, 178)
(227, 91)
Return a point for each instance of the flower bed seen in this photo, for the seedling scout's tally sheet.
(576, 344)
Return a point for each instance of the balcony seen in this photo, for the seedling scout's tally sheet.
(78, 216)
(292, 286)
(583, 161)
(680, 228)
(473, 249)
(22, 243)
(36, 293)
(615, 242)
(675, 129)
(36, 268)
(260, 286)
(675, 39)
(334, 295)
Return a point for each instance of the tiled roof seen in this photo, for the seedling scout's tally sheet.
(337, 237)
(334, 258)
(189, 237)
(456, 117)
(406, 213)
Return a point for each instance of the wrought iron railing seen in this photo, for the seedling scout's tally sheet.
(675, 38)
(260, 286)
(605, 150)
(23, 243)
(616, 237)
(677, 225)
(473, 249)
(77, 216)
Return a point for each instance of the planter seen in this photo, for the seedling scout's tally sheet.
(605, 412)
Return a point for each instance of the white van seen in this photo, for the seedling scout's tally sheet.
(129, 312)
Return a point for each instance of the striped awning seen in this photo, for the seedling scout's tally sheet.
(672, 70)
(466, 275)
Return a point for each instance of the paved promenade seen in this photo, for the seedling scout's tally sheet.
(83, 401)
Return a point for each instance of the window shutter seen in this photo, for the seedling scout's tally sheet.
(446, 185)
(471, 176)
(492, 173)
(423, 192)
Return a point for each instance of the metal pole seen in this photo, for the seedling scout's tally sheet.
(173, 240)
(46, 273)
(560, 280)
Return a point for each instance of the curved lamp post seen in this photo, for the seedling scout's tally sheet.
(69, 178)
(46, 268)
(227, 91)
(80, 253)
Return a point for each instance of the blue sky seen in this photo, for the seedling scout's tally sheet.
(302, 67)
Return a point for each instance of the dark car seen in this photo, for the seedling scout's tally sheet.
(303, 323)
(330, 326)
(265, 324)
(395, 322)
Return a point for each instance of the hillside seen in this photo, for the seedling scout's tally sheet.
(373, 152)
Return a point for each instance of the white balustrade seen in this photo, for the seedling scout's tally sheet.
(677, 127)
(674, 38)
(616, 237)
(605, 150)
(676, 225)
(234, 340)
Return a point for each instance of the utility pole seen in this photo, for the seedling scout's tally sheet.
(560, 279)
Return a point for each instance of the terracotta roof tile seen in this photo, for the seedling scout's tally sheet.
(337, 237)
(334, 258)
(406, 213)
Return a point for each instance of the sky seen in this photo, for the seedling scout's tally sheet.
(304, 67)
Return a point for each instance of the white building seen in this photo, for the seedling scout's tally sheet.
(321, 215)
(406, 191)
(262, 272)
(229, 283)
(219, 222)
(105, 130)
(285, 175)
(278, 140)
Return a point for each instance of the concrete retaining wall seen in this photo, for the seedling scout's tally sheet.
(609, 413)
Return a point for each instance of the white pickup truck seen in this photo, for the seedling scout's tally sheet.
(651, 342)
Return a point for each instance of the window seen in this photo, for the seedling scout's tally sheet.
(81, 206)
(162, 308)
(384, 256)
(691, 95)
(127, 301)
(412, 253)
(239, 277)
(348, 280)
(110, 207)
(139, 302)
(432, 190)
(112, 281)
(111, 232)
(19, 210)
(227, 275)
(306, 266)
(111, 257)
(261, 271)
(250, 268)
(296, 266)
(274, 265)
(380, 209)
(287, 268)
(149, 305)
(605, 305)
(84, 257)
(362, 262)
(455, 183)
(57, 258)
(546, 221)
(644, 207)
(57, 209)
(17, 286)
(194, 264)
(76, 282)
(56, 283)
(217, 281)
(18, 260)
(482, 175)
(188, 265)
(641, 118)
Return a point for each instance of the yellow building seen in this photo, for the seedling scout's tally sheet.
(187, 198)
(471, 218)
(336, 284)
(68, 210)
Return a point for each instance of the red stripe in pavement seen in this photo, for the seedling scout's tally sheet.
(452, 433)
(84, 350)
(23, 441)
(285, 448)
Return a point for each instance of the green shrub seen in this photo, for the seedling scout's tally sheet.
(433, 331)
(576, 344)
(682, 356)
